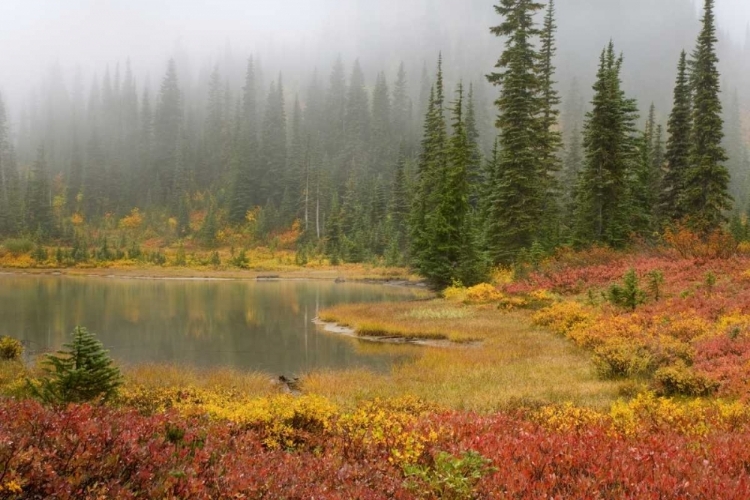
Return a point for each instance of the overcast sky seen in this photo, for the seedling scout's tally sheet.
(90, 33)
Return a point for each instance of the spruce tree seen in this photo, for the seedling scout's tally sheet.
(273, 147)
(705, 195)
(166, 135)
(671, 198)
(645, 181)
(431, 167)
(550, 139)
(246, 175)
(603, 206)
(446, 223)
(516, 209)
(82, 371)
(38, 204)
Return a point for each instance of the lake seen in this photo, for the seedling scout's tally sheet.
(248, 325)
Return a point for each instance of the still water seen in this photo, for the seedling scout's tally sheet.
(249, 325)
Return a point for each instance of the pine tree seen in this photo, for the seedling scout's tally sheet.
(705, 195)
(550, 139)
(472, 136)
(445, 224)
(431, 167)
(39, 198)
(273, 147)
(602, 204)
(401, 109)
(678, 148)
(516, 210)
(382, 150)
(645, 181)
(82, 371)
(246, 176)
(166, 134)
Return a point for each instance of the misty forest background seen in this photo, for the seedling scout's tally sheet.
(395, 151)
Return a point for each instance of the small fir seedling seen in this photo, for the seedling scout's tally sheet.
(710, 281)
(628, 295)
(82, 371)
(655, 280)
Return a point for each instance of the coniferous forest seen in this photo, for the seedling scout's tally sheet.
(405, 169)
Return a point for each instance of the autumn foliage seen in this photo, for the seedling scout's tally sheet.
(639, 451)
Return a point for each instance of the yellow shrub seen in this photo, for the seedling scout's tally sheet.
(685, 328)
(501, 276)
(389, 425)
(455, 293)
(482, 294)
(564, 317)
(567, 417)
(10, 348)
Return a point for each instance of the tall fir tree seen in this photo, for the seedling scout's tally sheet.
(273, 147)
(679, 127)
(432, 164)
(603, 206)
(246, 175)
(167, 124)
(550, 138)
(645, 181)
(517, 203)
(705, 196)
(446, 223)
(38, 203)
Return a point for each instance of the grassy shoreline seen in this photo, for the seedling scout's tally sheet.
(350, 273)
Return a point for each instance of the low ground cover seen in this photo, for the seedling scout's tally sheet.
(641, 394)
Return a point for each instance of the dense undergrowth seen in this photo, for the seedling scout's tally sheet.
(642, 394)
(399, 449)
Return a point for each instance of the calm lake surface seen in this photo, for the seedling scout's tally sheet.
(264, 325)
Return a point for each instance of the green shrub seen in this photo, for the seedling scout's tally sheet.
(629, 295)
(81, 371)
(18, 246)
(449, 477)
(679, 379)
(241, 260)
(616, 359)
(215, 259)
(10, 348)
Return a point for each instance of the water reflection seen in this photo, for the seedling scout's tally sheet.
(242, 324)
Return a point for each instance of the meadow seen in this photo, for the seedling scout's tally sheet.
(594, 374)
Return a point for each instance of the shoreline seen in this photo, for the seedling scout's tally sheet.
(346, 331)
(188, 274)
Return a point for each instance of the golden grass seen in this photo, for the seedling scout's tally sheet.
(225, 380)
(515, 360)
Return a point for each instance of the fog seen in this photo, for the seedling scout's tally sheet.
(297, 35)
(78, 42)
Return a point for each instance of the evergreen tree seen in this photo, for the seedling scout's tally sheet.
(82, 371)
(401, 108)
(246, 175)
(39, 198)
(705, 195)
(671, 199)
(166, 135)
(602, 204)
(472, 136)
(645, 181)
(382, 150)
(431, 168)
(273, 147)
(517, 204)
(550, 139)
